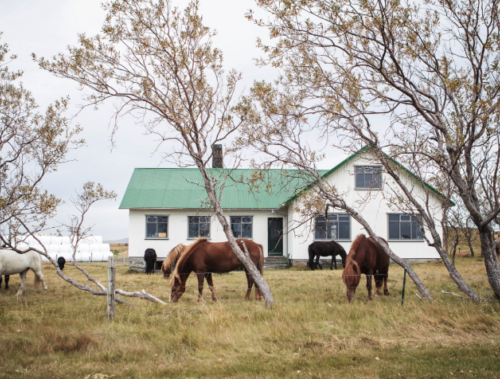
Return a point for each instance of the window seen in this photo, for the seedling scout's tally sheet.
(368, 177)
(156, 226)
(198, 226)
(338, 227)
(241, 226)
(404, 227)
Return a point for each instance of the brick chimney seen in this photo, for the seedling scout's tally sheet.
(217, 157)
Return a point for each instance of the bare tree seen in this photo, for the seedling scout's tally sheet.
(32, 145)
(429, 69)
(160, 63)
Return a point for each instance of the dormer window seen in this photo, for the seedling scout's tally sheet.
(368, 177)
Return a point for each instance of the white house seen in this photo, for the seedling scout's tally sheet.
(168, 206)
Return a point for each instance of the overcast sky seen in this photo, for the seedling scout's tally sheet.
(47, 28)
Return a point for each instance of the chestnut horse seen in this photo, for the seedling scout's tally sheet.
(366, 257)
(171, 259)
(205, 257)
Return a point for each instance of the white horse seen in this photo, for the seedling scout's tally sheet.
(14, 263)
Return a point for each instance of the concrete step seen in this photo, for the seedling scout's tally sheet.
(275, 263)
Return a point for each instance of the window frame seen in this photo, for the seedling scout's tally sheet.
(369, 188)
(209, 226)
(231, 224)
(146, 227)
(337, 239)
(401, 239)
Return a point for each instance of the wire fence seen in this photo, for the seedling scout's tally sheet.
(287, 286)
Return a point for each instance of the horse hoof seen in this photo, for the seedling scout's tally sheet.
(386, 293)
(214, 299)
(370, 299)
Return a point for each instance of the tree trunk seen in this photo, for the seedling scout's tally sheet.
(469, 242)
(490, 259)
(245, 260)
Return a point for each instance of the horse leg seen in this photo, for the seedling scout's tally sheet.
(369, 285)
(23, 282)
(317, 262)
(0, 281)
(250, 285)
(386, 290)
(7, 277)
(334, 260)
(378, 282)
(211, 285)
(201, 281)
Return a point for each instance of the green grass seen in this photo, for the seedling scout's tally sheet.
(311, 332)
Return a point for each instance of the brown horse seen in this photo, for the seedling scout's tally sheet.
(171, 260)
(205, 257)
(366, 257)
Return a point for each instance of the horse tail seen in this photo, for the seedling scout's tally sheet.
(261, 260)
(311, 256)
(38, 283)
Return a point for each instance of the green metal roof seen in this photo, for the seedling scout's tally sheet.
(183, 188)
(244, 188)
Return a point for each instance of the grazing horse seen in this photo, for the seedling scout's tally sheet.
(205, 257)
(366, 257)
(7, 277)
(61, 262)
(171, 260)
(13, 263)
(150, 258)
(325, 249)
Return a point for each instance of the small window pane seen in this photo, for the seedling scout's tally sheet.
(246, 219)
(405, 218)
(368, 181)
(246, 231)
(193, 230)
(393, 217)
(343, 218)
(236, 219)
(394, 230)
(416, 231)
(333, 231)
(151, 230)
(162, 219)
(162, 228)
(152, 219)
(360, 183)
(236, 228)
(344, 230)
(405, 231)
(320, 232)
(204, 230)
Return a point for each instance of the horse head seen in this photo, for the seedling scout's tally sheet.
(177, 289)
(351, 277)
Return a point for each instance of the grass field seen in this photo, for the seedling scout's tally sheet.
(311, 332)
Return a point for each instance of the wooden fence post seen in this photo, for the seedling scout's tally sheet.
(111, 287)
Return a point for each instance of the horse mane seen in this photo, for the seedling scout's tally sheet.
(352, 271)
(183, 257)
(173, 256)
(359, 239)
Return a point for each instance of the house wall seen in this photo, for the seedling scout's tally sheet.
(178, 230)
(374, 207)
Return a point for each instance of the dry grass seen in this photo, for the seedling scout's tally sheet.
(311, 332)
(122, 248)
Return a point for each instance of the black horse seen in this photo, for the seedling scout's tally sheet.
(7, 277)
(61, 262)
(325, 249)
(150, 258)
